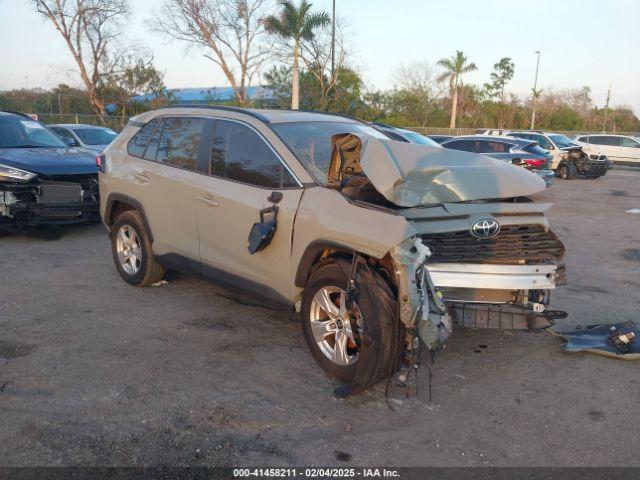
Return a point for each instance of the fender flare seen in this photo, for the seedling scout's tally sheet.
(114, 198)
(311, 255)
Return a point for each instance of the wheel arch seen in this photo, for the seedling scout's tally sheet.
(118, 203)
(320, 250)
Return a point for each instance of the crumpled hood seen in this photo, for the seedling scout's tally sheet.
(410, 175)
(49, 161)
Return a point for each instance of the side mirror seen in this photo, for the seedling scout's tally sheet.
(262, 232)
(71, 142)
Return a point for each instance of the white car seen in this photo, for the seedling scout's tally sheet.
(621, 149)
(569, 159)
(91, 138)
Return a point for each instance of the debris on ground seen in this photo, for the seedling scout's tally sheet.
(159, 283)
(634, 210)
(619, 340)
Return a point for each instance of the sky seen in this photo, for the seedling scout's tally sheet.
(587, 42)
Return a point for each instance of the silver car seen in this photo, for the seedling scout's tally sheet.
(91, 138)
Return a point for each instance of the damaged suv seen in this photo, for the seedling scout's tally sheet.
(42, 181)
(381, 245)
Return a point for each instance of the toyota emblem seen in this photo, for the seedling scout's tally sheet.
(485, 229)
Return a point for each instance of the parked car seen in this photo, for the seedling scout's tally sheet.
(569, 160)
(378, 243)
(404, 135)
(524, 153)
(88, 137)
(620, 149)
(42, 180)
(440, 138)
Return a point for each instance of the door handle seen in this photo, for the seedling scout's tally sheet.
(142, 178)
(208, 200)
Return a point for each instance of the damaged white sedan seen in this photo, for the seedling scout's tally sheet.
(383, 246)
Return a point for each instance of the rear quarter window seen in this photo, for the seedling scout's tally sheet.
(138, 143)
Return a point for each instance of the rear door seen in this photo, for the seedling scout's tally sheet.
(167, 181)
(244, 170)
(629, 150)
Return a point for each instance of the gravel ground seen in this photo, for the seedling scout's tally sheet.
(95, 372)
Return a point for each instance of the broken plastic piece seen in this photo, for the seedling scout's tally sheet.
(616, 340)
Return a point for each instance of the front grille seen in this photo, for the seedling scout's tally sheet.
(517, 244)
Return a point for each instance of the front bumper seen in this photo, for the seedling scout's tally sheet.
(54, 201)
(595, 168)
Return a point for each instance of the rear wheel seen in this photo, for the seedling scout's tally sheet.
(356, 343)
(132, 252)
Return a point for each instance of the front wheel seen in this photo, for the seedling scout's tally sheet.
(355, 342)
(567, 171)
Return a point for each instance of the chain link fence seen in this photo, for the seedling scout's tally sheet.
(117, 123)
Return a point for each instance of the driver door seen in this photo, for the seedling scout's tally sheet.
(244, 170)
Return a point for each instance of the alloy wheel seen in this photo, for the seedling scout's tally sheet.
(335, 328)
(129, 250)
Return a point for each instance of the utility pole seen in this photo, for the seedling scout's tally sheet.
(333, 39)
(606, 111)
(535, 93)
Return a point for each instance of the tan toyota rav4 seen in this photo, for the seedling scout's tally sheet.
(381, 245)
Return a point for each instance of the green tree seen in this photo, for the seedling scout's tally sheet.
(296, 25)
(454, 68)
(502, 72)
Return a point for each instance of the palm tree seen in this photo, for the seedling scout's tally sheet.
(454, 68)
(296, 24)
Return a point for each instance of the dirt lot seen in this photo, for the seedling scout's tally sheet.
(95, 372)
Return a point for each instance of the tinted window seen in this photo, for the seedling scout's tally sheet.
(464, 145)
(605, 140)
(138, 143)
(497, 147)
(180, 142)
(239, 153)
(628, 142)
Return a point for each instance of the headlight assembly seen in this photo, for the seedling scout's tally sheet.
(12, 174)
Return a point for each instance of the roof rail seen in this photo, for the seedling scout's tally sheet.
(16, 113)
(222, 107)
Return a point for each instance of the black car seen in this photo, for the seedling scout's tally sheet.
(525, 153)
(42, 181)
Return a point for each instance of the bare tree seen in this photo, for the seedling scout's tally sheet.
(89, 28)
(316, 56)
(230, 31)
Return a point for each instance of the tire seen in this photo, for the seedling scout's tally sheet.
(567, 171)
(145, 269)
(373, 324)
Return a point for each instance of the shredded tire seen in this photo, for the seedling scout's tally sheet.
(380, 351)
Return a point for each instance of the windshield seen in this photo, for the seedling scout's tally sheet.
(22, 132)
(95, 136)
(311, 142)
(562, 141)
(420, 139)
